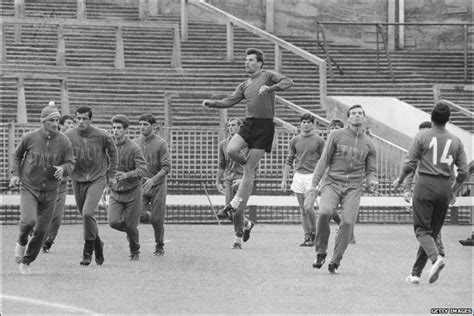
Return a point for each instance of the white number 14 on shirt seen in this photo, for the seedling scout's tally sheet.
(444, 156)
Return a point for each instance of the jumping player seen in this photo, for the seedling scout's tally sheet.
(433, 154)
(258, 128)
(230, 173)
(304, 150)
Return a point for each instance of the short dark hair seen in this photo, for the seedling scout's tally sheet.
(258, 53)
(440, 113)
(84, 109)
(425, 124)
(121, 119)
(355, 106)
(336, 123)
(147, 117)
(65, 117)
(239, 121)
(307, 116)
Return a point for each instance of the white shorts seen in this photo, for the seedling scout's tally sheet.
(301, 182)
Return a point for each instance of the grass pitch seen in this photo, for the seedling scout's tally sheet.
(200, 273)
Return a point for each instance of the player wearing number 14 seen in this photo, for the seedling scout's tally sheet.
(435, 151)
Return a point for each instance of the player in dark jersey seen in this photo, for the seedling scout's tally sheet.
(433, 154)
(304, 150)
(257, 130)
(407, 195)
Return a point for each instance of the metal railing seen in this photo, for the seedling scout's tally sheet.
(438, 96)
(325, 46)
(278, 42)
(379, 25)
(389, 155)
(194, 153)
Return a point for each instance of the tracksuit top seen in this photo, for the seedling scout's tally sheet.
(131, 162)
(156, 154)
(37, 154)
(258, 106)
(350, 157)
(94, 152)
(232, 169)
(435, 152)
(306, 150)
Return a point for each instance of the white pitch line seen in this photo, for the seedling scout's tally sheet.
(80, 246)
(152, 244)
(67, 308)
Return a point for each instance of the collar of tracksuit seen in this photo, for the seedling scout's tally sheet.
(45, 135)
(121, 142)
(85, 133)
(149, 137)
(357, 134)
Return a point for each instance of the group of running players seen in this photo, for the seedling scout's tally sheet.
(338, 169)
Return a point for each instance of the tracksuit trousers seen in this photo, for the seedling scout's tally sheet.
(36, 211)
(331, 195)
(88, 196)
(238, 219)
(58, 213)
(124, 214)
(155, 203)
(430, 204)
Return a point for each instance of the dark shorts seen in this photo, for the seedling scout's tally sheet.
(258, 133)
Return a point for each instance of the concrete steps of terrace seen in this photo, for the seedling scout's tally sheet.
(67, 9)
(110, 88)
(206, 49)
(200, 47)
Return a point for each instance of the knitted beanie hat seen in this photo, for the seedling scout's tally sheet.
(49, 112)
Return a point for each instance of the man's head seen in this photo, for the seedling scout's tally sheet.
(233, 125)
(120, 124)
(424, 126)
(84, 117)
(356, 115)
(147, 123)
(50, 118)
(49, 112)
(336, 124)
(254, 60)
(440, 113)
(66, 122)
(306, 122)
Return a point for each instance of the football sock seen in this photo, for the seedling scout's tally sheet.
(235, 202)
